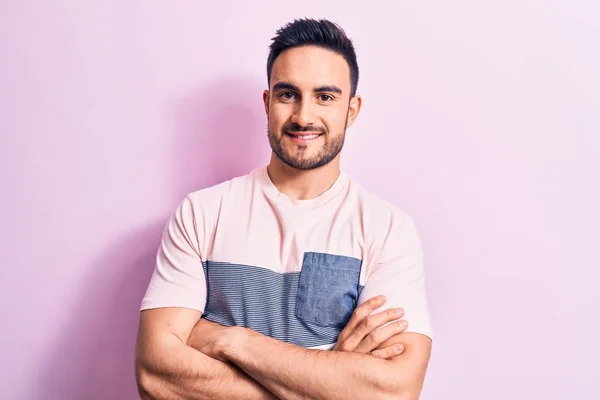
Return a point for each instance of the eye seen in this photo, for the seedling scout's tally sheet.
(326, 98)
(287, 96)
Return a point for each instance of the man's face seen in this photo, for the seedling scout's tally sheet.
(309, 107)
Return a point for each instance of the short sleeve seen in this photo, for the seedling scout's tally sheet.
(178, 279)
(399, 275)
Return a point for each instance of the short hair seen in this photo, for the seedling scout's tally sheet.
(321, 33)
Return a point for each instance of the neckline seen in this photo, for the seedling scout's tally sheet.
(315, 202)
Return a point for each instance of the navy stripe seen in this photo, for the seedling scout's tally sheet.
(262, 300)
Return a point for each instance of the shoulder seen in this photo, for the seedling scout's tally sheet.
(210, 199)
(201, 208)
(378, 211)
(389, 230)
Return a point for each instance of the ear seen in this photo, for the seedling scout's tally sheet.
(353, 110)
(266, 95)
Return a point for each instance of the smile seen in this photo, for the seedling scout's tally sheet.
(303, 136)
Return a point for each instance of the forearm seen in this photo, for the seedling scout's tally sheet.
(293, 372)
(177, 371)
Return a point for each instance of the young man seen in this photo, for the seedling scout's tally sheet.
(271, 285)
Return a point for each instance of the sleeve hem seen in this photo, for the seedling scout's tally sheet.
(149, 305)
(420, 332)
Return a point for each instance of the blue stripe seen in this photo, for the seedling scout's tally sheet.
(262, 300)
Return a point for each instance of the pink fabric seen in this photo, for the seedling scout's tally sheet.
(248, 221)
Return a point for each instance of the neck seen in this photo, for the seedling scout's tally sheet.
(303, 184)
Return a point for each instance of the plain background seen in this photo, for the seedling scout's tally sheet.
(481, 119)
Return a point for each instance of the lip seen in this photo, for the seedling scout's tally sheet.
(303, 137)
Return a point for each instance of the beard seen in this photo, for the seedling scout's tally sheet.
(298, 159)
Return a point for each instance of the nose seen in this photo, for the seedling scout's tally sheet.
(303, 114)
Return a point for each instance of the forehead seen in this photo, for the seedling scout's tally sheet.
(310, 66)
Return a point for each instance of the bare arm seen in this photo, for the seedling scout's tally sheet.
(366, 333)
(166, 368)
(292, 372)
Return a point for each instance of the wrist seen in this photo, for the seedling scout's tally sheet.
(231, 342)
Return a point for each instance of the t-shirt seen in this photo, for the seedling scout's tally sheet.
(245, 254)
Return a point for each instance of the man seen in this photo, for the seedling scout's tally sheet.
(270, 285)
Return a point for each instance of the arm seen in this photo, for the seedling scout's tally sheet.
(166, 368)
(364, 333)
(293, 372)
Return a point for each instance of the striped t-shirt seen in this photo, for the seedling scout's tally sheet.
(245, 254)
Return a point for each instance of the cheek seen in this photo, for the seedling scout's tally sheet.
(335, 122)
(276, 118)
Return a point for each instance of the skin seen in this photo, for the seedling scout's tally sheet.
(365, 333)
(180, 355)
(312, 96)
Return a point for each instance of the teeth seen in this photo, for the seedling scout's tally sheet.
(307, 137)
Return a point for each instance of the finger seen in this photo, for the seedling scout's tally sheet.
(359, 314)
(389, 352)
(374, 339)
(375, 321)
(353, 339)
(363, 311)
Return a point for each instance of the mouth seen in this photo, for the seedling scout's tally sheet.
(303, 136)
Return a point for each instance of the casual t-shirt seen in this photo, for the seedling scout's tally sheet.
(245, 254)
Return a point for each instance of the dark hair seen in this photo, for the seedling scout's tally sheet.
(321, 33)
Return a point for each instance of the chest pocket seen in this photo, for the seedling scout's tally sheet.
(328, 289)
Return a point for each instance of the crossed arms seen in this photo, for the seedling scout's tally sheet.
(180, 356)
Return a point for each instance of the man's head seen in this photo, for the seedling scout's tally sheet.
(312, 74)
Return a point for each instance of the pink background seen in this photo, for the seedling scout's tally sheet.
(480, 118)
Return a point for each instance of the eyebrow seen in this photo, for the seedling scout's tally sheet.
(289, 86)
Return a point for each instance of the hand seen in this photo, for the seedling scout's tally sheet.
(213, 339)
(363, 333)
